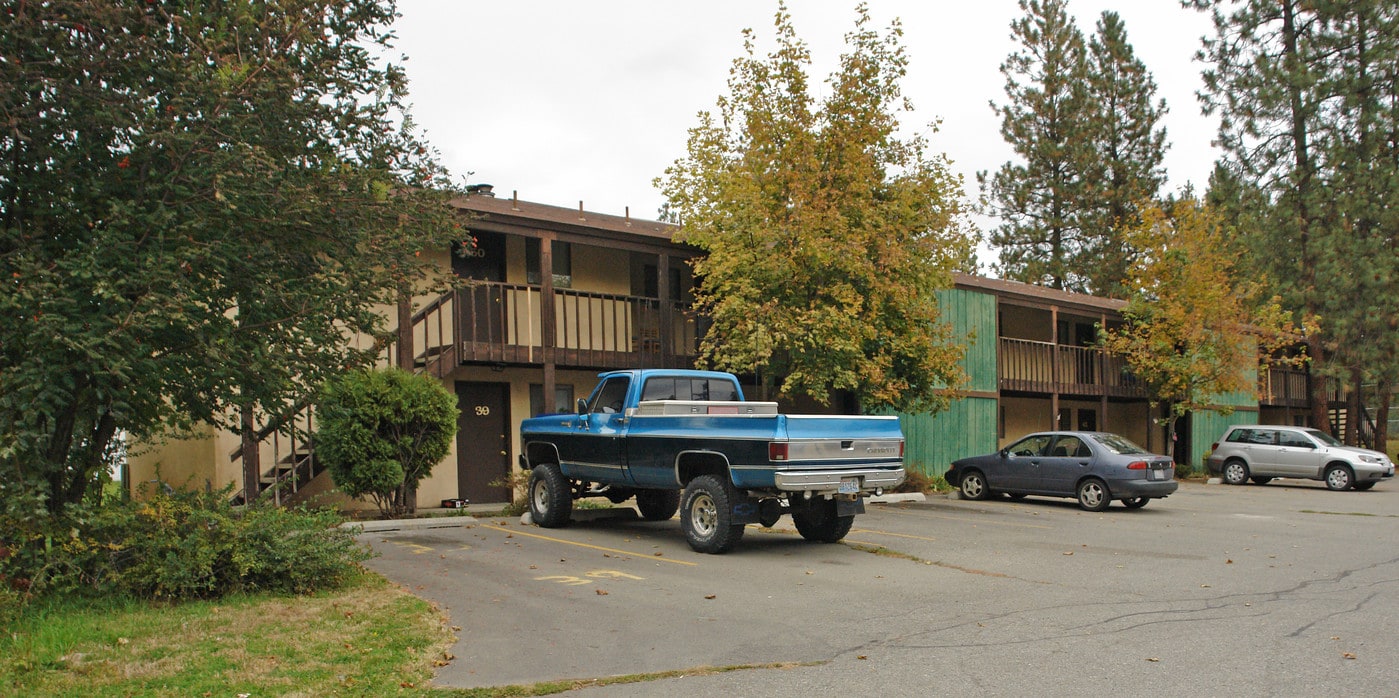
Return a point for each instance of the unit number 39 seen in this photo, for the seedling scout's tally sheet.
(482, 410)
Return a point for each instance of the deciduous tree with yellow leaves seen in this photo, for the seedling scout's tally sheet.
(1195, 329)
(828, 233)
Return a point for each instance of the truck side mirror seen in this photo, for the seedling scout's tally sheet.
(582, 405)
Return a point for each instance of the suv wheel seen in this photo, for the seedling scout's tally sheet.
(1235, 472)
(1339, 477)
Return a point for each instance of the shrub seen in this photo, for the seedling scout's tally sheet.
(382, 432)
(918, 481)
(179, 546)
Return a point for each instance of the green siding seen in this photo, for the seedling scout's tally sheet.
(966, 428)
(970, 313)
(1206, 427)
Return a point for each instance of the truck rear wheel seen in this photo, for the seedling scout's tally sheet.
(658, 505)
(820, 524)
(550, 498)
(706, 515)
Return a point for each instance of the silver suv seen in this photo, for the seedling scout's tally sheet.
(1262, 452)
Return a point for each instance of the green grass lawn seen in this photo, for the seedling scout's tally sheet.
(368, 639)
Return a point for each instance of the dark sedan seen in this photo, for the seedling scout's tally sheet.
(1092, 466)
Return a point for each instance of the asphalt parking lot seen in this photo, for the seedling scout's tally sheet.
(1283, 589)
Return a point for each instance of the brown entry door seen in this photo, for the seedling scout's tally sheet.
(483, 442)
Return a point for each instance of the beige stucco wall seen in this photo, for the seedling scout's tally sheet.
(182, 463)
(1018, 322)
(1022, 415)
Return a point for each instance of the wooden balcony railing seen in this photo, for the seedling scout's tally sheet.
(504, 323)
(1283, 387)
(1044, 367)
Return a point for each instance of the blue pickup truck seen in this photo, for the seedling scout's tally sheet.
(688, 441)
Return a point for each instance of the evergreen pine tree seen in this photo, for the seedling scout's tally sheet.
(1046, 119)
(1129, 147)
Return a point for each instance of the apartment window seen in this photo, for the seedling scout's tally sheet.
(563, 263)
(1087, 420)
(653, 286)
(563, 400)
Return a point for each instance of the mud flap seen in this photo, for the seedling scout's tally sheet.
(746, 511)
(850, 507)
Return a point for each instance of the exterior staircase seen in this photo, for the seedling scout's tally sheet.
(291, 436)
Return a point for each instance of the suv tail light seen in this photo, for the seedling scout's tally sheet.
(777, 450)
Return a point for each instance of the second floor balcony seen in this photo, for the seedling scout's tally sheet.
(1028, 366)
(514, 324)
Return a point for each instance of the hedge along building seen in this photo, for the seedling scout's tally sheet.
(556, 295)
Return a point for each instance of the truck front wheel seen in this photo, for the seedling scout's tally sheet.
(550, 499)
(706, 515)
(658, 505)
(820, 524)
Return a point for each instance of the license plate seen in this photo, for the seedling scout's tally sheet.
(1157, 475)
(849, 485)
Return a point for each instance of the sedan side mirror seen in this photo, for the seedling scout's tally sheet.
(1005, 452)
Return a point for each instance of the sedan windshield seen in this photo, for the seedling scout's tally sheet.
(1117, 444)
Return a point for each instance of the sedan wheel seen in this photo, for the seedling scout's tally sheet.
(1338, 477)
(1235, 472)
(1093, 495)
(974, 485)
(1135, 502)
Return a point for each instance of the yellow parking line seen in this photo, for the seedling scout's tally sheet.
(593, 547)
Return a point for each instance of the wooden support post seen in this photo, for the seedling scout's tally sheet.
(1054, 369)
(666, 319)
(547, 320)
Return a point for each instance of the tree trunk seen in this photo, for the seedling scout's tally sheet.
(252, 465)
(1317, 395)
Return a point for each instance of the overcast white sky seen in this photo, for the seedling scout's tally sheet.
(565, 101)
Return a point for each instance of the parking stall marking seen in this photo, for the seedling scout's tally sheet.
(415, 548)
(593, 575)
(637, 555)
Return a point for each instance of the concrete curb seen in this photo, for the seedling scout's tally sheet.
(381, 526)
(897, 497)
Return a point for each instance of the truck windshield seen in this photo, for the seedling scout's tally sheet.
(610, 395)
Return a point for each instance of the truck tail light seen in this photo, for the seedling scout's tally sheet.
(1137, 465)
(777, 450)
(901, 449)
